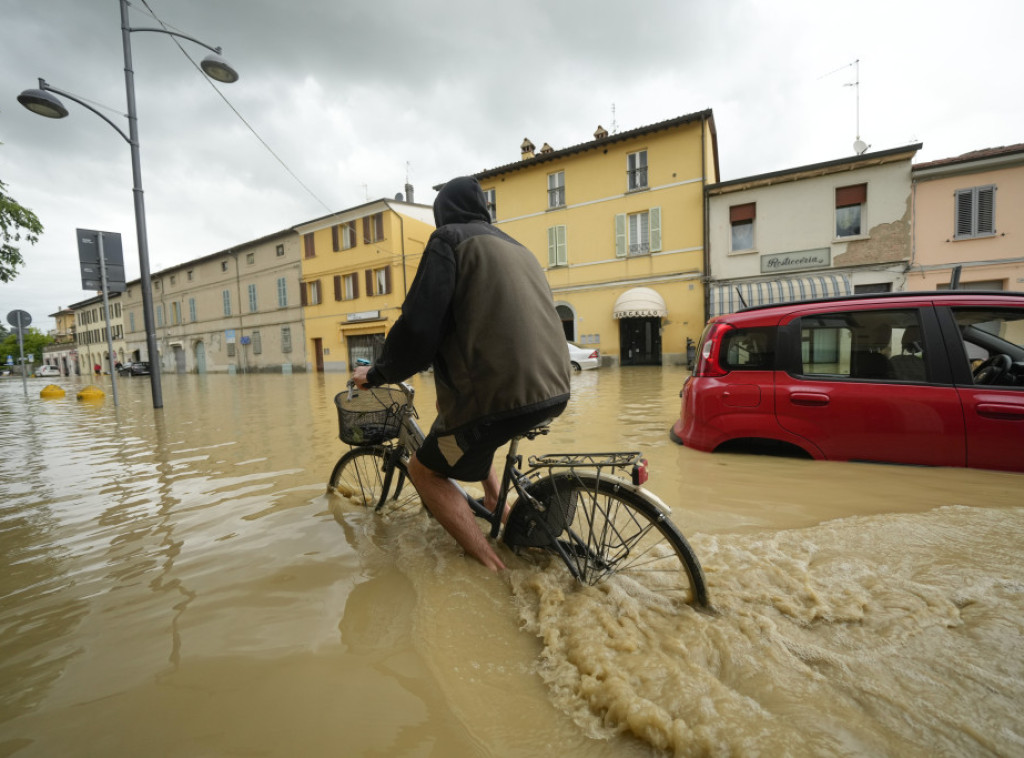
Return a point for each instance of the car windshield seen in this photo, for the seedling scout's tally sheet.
(988, 331)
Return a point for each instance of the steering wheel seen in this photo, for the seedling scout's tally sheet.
(994, 369)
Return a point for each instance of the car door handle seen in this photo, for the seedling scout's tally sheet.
(1001, 411)
(808, 398)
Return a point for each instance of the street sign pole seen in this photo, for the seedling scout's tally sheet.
(106, 311)
(19, 320)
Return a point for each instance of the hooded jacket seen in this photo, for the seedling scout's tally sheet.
(480, 312)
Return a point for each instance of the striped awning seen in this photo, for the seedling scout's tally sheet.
(729, 298)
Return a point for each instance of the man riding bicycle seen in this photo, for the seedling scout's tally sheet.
(480, 312)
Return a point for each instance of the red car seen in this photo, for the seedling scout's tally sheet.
(925, 378)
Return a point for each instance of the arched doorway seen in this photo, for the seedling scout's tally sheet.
(568, 317)
(639, 312)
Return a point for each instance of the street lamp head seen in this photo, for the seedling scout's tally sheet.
(42, 102)
(217, 68)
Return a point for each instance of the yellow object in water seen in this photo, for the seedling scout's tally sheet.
(92, 392)
(51, 390)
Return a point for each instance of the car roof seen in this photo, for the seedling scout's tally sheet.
(880, 299)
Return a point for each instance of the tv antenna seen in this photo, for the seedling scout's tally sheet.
(859, 145)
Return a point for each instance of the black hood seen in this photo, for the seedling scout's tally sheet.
(461, 200)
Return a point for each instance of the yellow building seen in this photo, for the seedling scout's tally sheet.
(618, 223)
(357, 266)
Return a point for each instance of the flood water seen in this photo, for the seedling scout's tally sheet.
(178, 583)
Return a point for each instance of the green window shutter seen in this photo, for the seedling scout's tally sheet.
(561, 249)
(655, 221)
(552, 246)
(620, 235)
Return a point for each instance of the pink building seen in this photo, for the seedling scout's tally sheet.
(969, 212)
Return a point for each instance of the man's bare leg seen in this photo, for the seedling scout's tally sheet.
(449, 507)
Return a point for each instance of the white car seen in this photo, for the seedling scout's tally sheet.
(581, 358)
(48, 371)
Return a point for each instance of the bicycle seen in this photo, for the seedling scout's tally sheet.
(568, 504)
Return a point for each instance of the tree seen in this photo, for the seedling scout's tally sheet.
(16, 223)
(34, 341)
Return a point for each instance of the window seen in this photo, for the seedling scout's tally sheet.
(223, 265)
(231, 349)
(346, 287)
(192, 309)
(257, 343)
(173, 278)
(863, 345)
(160, 315)
(308, 246)
(556, 189)
(975, 212)
(749, 349)
(343, 236)
(250, 258)
(850, 209)
(312, 293)
(226, 296)
(131, 321)
(189, 274)
(280, 251)
(366, 347)
(741, 217)
(638, 233)
(373, 228)
(175, 312)
(286, 339)
(378, 281)
(636, 170)
(492, 207)
(557, 250)
(282, 292)
(252, 298)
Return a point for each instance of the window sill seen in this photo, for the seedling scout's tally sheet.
(749, 251)
(637, 189)
(851, 238)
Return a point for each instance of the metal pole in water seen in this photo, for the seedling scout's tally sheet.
(106, 312)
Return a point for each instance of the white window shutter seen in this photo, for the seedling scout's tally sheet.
(552, 246)
(655, 221)
(620, 235)
(561, 248)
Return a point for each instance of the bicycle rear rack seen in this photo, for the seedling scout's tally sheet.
(632, 461)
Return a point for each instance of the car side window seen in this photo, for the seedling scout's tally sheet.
(994, 344)
(871, 344)
(749, 349)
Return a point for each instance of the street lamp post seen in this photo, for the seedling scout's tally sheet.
(40, 101)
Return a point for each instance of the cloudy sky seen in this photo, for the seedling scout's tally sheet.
(339, 101)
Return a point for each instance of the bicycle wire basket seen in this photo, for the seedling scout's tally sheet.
(370, 416)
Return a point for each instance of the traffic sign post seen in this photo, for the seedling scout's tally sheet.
(19, 320)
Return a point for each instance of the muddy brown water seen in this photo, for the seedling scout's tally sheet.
(178, 583)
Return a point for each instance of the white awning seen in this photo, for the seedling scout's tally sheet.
(639, 302)
(729, 298)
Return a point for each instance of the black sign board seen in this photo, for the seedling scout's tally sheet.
(89, 259)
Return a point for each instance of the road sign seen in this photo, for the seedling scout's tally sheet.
(19, 319)
(89, 259)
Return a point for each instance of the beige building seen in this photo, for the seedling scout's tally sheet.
(90, 333)
(235, 311)
(357, 266)
(63, 352)
(618, 224)
(831, 228)
(968, 215)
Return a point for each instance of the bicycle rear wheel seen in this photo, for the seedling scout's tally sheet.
(600, 527)
(360, 476)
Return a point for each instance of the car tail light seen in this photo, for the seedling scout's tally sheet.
(596, 354)
(708, 360)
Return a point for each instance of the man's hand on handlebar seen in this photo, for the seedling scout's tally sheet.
(359, 377)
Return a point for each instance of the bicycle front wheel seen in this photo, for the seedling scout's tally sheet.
(600, 526)
(361, 476)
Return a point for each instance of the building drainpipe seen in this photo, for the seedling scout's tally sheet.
(707, 234)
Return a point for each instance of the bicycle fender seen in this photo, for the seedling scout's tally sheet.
(642, 491)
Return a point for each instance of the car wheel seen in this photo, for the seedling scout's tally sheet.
(575, 367)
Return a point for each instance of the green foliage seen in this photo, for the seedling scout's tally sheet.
(33, 339)
(17, 224)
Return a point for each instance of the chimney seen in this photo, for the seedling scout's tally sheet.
(547, 149)
(601, 132)
(408, 192)
(527, 149)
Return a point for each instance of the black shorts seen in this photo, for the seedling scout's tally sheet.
(467, 453)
